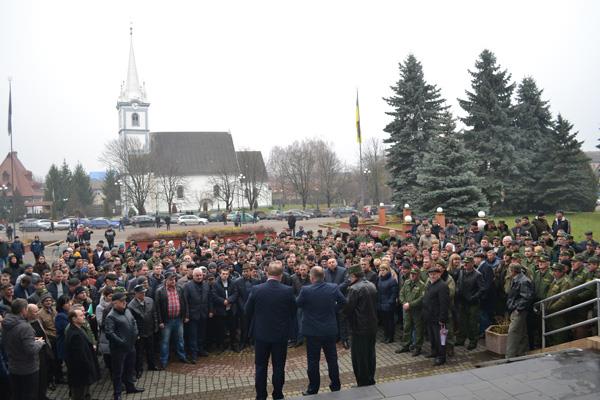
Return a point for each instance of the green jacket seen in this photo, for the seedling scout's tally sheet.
(580, 277)
(541, 282)
(558, 286)
(412, 293)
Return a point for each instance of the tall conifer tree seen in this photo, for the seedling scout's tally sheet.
(491, 134)
(447, 177)
(416, 106)
(569, 182)
(534, 122)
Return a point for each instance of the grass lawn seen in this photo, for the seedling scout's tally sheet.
(580, 223)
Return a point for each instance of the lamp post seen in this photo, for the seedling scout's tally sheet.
(241, 195)
(366, 172)
(122, 189)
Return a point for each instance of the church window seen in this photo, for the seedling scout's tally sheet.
(5, 176)
(216, 191)
(135, 119)
(180, 192)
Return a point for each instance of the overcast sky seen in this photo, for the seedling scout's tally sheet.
(272, 72)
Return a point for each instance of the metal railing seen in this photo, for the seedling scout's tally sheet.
(596, 300)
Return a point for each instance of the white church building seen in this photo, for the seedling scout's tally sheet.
(202, 157)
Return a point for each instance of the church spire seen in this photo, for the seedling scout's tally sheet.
(132, 90)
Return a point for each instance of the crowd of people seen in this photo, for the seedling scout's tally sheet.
(134, 309)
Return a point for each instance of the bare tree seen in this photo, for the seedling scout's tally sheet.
(375, 171)
(299, 165)
(328, 168)
(276, 165)
(169, 181)
(134, 167)
(225, 185)
(253, 169)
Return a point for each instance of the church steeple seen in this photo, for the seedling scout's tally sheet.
(131, 89)
(133, 105)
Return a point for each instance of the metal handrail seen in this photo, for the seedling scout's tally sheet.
(573, 289)
(542, 304)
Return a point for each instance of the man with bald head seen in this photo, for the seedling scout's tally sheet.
(271, 308)
(319, 302)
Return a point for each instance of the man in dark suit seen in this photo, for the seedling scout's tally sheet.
(244, 285)
(271, 307)
(319, 303)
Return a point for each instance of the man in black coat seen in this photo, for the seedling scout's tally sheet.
(271, 308)
(82, 364)
(243, 286)
(291, 220)
(199, 297)
(436, 305)
(361, 311)
(142, 308)
(121, 331)
(225, 305)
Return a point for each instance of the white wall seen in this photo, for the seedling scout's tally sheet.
(199, 187)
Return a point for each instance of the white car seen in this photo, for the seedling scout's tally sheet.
(62, 225)
(191, 220)
(44, 224)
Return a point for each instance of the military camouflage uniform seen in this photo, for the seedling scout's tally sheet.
(558, 286)
(412, 293)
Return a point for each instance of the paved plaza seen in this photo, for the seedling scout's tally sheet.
(568, 375)
(231, 375)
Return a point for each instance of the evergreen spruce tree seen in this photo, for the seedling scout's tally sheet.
(491, 134)
(569, 182)
(447, 177)
(111, 191)
(416, 109)
(81, 191)
(534, 122)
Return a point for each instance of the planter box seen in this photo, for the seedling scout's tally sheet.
(495, 342)
(143, 244)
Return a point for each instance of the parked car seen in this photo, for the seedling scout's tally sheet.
(62, 225)
(126, 220)
(142, 221)
(316, 213)
(260, 215)
(215, 217)
(102, 223)
(342, 212)
(34, 224)
(191, 220)
(245, 217)
(299, 214)
(274, 214)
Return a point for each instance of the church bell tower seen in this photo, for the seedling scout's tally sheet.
(133, 105)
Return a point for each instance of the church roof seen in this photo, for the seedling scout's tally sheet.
(197, 153)
(23, 178)
(252, 165)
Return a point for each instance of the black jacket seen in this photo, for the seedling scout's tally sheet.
(242, 292)
(82, 364)
(144, 315)
(361, 308)
(521, 294)
(121, 330)
(161, 303)
(436, 302)
(199, 297)
(53, 289)
(469, 286)
(220, 295)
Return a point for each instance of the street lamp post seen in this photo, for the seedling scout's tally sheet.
(241, 195)
(366, 173)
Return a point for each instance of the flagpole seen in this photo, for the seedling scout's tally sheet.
(12, 167)
(359, 137)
